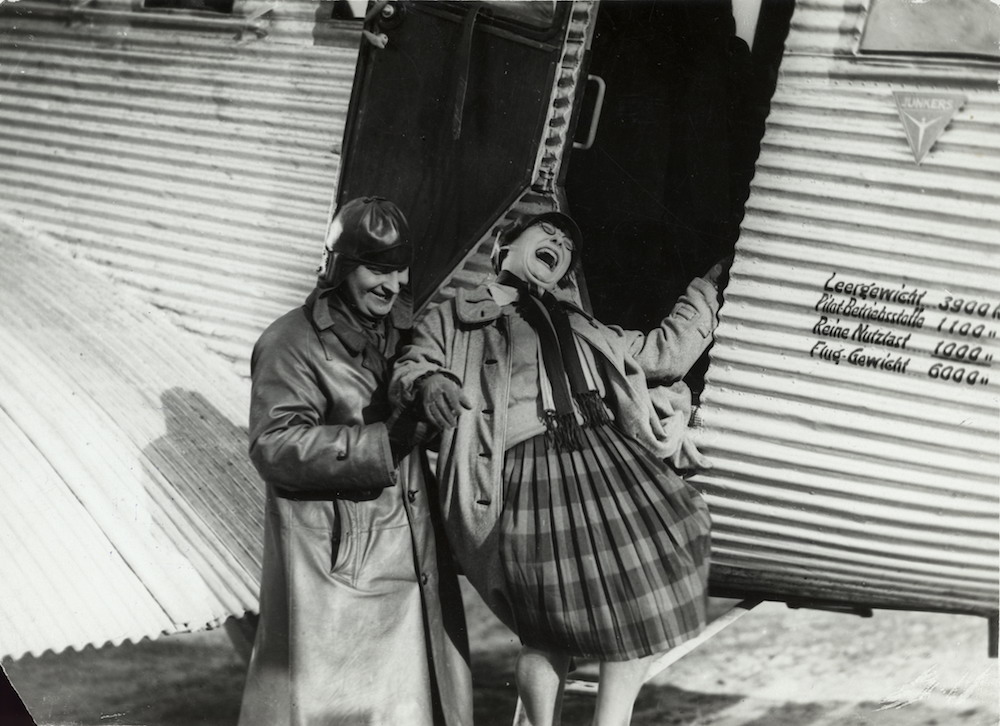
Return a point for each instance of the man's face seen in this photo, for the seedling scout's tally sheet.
(541, 255)
(374, 291)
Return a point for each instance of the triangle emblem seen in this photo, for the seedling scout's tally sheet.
(925, 116)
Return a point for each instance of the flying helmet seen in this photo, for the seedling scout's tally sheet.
(369, 231)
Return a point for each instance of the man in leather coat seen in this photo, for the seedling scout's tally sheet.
(361, 616)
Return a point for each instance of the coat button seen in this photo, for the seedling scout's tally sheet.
(341, 455)
(423, 578)
(412, 496)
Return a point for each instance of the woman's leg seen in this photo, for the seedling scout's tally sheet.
(619, 686)
(540, 676)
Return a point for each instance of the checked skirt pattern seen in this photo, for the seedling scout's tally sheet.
(605, 550)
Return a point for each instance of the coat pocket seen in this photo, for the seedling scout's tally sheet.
(343, 544)
(314, 533)
(385, 559)
(335, 530)
(375, 543)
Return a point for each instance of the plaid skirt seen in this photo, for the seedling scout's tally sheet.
(605, 551)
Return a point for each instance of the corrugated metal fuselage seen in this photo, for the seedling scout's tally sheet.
(851, 406)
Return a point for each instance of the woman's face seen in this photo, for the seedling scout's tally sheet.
(541, 255)
(372, 291)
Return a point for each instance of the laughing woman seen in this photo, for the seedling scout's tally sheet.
(558, 503)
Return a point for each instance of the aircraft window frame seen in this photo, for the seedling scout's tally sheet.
(348, 11)
(512, 11)
(508, 20)
(208, 8)
(879, 14)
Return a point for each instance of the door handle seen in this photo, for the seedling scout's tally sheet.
(595, 117)
(381, 13)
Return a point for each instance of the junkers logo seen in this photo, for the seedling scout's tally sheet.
(924, 117)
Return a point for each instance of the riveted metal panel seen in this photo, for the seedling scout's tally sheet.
(194, 161)
(854, 430)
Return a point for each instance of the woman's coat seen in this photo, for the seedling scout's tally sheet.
(468, 338)
(361, 616)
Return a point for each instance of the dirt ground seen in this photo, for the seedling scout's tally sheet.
(773, 667)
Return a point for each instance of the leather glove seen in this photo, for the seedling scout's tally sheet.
(442, 400)
(405, 432)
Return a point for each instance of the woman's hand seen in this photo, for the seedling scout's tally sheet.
(688, 459)
(441, 400)
(718, 275)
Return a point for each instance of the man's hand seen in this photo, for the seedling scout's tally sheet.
(442, 400)
(405, 432)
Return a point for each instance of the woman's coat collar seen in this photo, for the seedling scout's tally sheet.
(478, 306)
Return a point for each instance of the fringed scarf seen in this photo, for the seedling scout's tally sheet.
(573, 390)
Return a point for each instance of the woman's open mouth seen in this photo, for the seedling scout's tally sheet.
(548, 258)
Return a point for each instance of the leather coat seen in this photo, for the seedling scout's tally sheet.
(361, 617)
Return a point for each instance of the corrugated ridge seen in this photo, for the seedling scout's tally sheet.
(107, 117)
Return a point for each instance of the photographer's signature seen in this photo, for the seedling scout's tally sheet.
(927, 684)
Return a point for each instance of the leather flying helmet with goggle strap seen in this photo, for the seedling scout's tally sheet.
(369, 231)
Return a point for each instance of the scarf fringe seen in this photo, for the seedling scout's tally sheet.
(593, 409)
(563, 432)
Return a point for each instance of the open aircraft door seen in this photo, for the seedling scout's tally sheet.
(452, 116)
